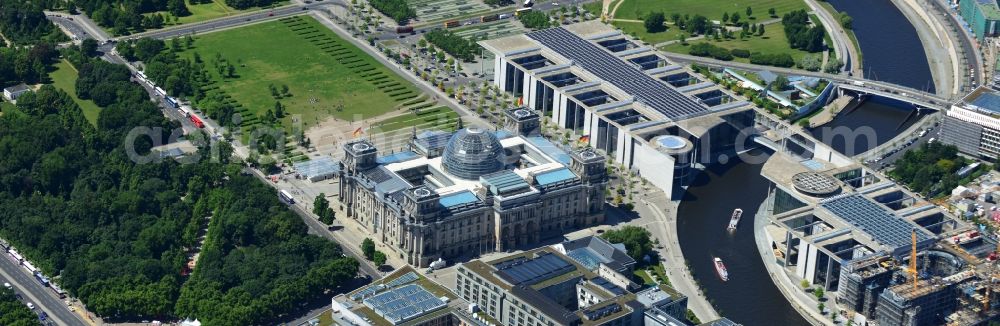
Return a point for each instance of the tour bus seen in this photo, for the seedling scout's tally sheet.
(171, 101)
(286, 197)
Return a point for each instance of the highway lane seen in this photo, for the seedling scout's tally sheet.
(228, 22)
(42, 297)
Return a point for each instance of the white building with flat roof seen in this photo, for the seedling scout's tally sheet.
(625, 100)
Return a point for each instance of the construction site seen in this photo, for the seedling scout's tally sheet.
(886, 256)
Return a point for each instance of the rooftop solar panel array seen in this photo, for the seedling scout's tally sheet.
(404, 303)
(607, 285)
(875, 220)
(623, 75)
(368, 291)
(534, 270)
(405, 278)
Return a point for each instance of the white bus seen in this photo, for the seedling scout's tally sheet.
(286, 197)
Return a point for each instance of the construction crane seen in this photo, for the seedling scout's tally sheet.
(913, 257)
(989, 282)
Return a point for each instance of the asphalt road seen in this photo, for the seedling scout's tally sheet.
(890, 159)
(42, 297)
(230, 22)
(976, 62)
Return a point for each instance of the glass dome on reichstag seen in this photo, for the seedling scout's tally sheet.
(473, 152)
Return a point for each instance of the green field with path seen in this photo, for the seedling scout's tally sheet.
(773, 41)
(64, 77)
(712, 9)
(326, 75)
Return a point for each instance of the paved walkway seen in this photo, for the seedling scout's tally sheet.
(804, 303)
(842, 47)
(677, 271)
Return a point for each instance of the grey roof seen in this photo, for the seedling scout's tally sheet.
(531, 270)
(876, 220)
(553, 310)
(720, 322)
(607, 285)
(591, 251)
(386, 182)
(18, 88)
(606, 66)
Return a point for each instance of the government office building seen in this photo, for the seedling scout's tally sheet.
(625, 99)
(473, 191)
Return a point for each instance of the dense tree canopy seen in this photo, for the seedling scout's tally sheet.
(534, 19)
(27, 65)
(23, 22)
(636, 240)
(930, 169)
(457, 46)
(654, 22)
(398, 10)
(118, 232)
(13, 312)
(800, 34)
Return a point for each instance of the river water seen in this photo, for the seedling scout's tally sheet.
(893, 53)
(890, 48)
(875, 122)
(749, 297)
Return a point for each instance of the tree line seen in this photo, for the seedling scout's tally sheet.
(398, 10)
(459, 47)
(126, 16)
(23, 22)
(118, 234)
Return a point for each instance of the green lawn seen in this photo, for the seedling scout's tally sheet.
(712, 9)
(641, 273)
(6, 107)
(64, 78)
(773, 41)
(441, 117)
(326, 75)
(639, 30)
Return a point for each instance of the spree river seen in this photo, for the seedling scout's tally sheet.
(893, 53)
(890, 48)
(749, 297)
